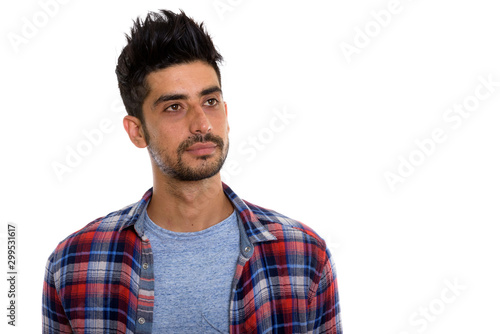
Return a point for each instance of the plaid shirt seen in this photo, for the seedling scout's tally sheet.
(100, 279)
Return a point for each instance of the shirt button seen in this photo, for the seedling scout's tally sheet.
(145, 266)
(141, 321)
(247, 249)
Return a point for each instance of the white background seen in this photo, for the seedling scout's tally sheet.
(395, 249)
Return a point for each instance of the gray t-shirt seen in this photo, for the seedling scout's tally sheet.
(193, 273)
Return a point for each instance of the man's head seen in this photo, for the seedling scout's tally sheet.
(159, 41)
(170, 84)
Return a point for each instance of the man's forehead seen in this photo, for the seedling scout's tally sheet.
(183, 73)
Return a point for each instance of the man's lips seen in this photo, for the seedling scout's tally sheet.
(202, 148)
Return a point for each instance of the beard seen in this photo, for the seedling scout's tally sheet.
(176, 168)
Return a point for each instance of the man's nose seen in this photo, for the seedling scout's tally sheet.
(199, 122)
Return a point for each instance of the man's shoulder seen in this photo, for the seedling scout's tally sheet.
(103, 228)
(285, 228)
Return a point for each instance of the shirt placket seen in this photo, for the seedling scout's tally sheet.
(144, 315)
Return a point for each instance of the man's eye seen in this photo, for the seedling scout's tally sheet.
(211, 102)
(173, 107)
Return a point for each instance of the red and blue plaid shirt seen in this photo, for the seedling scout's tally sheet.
(100, 279)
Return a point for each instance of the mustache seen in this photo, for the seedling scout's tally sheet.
(198, 138)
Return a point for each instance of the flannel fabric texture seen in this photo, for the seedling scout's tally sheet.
(100, 279)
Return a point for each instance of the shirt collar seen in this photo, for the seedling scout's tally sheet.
(250, 224)
(255, 230)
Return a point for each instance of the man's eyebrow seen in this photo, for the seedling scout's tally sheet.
(210, 90)
(170, 97)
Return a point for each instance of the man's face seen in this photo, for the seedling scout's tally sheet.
(186, 121)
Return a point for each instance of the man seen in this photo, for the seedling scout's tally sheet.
(190, 256)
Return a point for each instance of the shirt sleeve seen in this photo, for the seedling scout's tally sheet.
(324, 311)
(54, 319)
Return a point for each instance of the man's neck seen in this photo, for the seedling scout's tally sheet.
(188, 206)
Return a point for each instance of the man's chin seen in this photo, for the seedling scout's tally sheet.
(195, 175)
(191, 173)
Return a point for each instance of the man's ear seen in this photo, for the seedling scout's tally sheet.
(135, 131)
